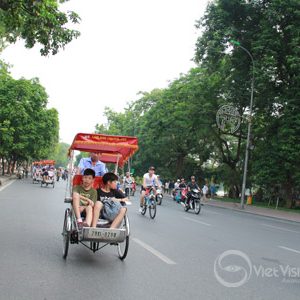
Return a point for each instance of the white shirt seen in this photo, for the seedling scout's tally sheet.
(150, 181)
(205, 189)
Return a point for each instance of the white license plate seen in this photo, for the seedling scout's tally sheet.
(102, 234)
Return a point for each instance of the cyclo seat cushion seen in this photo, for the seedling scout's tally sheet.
(77, 180)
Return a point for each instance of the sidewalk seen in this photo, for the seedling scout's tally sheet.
(5, 179)
(262, 211)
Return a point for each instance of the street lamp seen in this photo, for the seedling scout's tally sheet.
(236, 43)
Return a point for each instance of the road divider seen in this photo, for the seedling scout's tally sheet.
(154, 252)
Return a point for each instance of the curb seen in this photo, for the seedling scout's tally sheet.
(253, 213)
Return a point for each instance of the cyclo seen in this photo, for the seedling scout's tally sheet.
(116, 150)
(36, 175)
(50, 179)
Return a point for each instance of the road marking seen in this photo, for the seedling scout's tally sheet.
(289, 249)
(213, 212)
(199, 222)
(8, 184)
(280, 228)
(155, 252)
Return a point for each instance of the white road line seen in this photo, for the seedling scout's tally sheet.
(280, 228)
(213, 212)
(154, 252)
(8, 184)
(199, 222)
(289, 249)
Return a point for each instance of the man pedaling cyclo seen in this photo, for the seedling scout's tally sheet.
(149, 180)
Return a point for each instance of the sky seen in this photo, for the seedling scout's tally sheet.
(126, 46)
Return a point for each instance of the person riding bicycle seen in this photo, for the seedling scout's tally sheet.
(149, 180)
(127, 183)
(191, 186)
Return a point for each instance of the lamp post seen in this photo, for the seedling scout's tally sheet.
(236, 43)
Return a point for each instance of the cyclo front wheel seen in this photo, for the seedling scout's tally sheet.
(123, 247)
(66, 232)
(152, 209)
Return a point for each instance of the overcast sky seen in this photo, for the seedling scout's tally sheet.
(126, 46)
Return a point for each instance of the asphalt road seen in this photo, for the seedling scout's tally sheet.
(219, 254)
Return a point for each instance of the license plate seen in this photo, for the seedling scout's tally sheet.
(102, 234)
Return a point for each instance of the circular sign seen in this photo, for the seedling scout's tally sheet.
(228, 118)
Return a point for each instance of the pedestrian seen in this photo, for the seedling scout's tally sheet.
(171, 186)
(205, 191)
(167, 186)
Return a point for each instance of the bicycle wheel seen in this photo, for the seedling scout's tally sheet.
(123, 247)
(66, 232)
(152, 209)
(197, 207)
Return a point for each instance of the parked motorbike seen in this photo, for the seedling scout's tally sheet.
(193, 201)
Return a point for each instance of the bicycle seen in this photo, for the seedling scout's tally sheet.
(149, 202)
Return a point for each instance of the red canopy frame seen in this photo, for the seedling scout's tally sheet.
(44, 162)
(114, 149)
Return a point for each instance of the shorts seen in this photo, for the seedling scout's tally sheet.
(110, 210)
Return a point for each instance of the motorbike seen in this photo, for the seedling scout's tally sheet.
(159, 196)
(193, 201)
(20, 174)
(180, 194)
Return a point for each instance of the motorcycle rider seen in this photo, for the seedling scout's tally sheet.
(127, 183)
(149, 180)
(191, 186)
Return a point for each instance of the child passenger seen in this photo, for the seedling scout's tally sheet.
(109, 202)
(84, 198)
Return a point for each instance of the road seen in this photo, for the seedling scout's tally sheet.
(177, 255)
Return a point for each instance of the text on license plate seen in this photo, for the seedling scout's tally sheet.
(102, 234)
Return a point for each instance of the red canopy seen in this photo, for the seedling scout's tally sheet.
(113, 148)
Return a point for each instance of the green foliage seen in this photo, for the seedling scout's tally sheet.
(176, 126)
(36, 22)
(61, 155)
(28, 129)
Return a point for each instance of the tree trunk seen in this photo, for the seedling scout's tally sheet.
(179, 165)
(289, 193)
(3, 166)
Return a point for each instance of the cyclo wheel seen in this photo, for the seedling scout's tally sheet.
(197, 207)
(123, 247)
(66, 232)
(152, 209)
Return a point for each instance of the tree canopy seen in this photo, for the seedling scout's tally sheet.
(36, 21)
(176, 126)
(28, 129)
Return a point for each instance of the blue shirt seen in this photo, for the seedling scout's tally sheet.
(86, 163)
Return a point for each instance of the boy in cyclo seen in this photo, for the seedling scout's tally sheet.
(84, 198)
(109, 202)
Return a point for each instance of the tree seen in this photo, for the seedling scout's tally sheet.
(36, 22)
(29, 130)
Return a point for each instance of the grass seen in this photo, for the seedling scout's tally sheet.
(259, 204)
